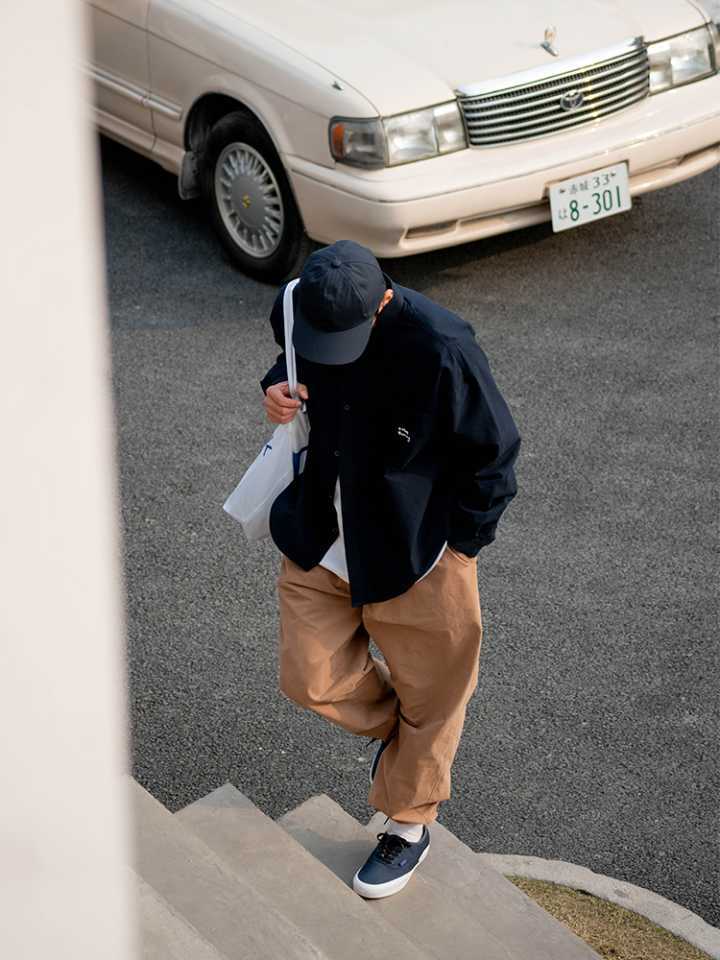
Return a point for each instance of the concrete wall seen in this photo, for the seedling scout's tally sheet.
(64, 829)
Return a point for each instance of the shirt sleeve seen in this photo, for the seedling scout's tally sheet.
(484, 445)
(278, 371)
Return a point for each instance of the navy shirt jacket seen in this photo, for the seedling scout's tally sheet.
(420, 437)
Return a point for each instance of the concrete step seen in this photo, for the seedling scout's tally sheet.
(163, 934)
(507, 915)
(425, 911)
(300, 887)
(224, 909)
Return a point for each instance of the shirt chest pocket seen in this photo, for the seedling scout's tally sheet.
(406, 437)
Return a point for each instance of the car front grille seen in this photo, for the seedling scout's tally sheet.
(513, 113)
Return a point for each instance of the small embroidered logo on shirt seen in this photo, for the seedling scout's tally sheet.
(404, 433)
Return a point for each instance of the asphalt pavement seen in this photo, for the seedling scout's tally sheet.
(593, 734)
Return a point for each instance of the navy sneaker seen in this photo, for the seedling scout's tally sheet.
(378, 754)
(390, 865)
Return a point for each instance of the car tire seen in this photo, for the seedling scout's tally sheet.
(250, 201)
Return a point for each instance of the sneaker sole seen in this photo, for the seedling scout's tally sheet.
(374, 891)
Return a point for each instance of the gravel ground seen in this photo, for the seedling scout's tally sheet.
(593, 735)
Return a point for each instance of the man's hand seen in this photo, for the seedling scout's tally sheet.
(280, 407)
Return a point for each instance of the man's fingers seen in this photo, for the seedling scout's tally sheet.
(279, 410)
(280, 407)
(289, 402)
(278, 414)
(280, 396)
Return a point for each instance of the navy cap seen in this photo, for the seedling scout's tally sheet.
(338, 295)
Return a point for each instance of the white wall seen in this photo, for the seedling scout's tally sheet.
(64, 828)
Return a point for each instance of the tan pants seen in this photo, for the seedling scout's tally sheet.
(430, 638)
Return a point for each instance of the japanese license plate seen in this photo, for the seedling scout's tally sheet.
(589, 196)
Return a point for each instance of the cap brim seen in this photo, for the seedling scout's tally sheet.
(342, 346)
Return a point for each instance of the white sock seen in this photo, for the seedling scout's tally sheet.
(408, 831)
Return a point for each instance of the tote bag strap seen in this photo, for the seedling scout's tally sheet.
(289, 318)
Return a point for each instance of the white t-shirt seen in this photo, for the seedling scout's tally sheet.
(336, 560)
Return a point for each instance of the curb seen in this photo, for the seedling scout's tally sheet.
(671, 916)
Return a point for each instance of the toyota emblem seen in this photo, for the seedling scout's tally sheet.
(571, 100)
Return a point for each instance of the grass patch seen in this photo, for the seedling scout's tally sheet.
(613, 932)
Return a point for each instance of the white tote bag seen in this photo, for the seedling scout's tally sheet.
(280, 460)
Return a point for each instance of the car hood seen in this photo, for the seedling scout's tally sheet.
(406, 53)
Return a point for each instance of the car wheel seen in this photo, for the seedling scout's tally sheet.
(251, 205)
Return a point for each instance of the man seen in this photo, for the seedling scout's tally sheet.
(408, 469)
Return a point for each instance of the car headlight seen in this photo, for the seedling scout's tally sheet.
(681, 59)
(387, 141)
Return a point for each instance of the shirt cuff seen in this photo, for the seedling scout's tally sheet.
(469, 548)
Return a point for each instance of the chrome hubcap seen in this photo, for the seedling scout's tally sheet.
(249, 200)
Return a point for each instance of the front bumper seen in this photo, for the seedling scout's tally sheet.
(477, 192)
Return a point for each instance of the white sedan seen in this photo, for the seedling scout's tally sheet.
(405, 126)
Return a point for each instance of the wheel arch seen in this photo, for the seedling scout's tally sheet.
(204, 113)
